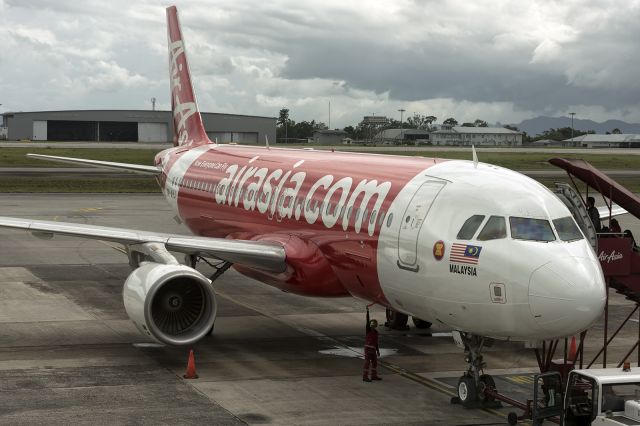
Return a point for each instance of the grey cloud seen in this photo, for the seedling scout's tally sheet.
(412, 51)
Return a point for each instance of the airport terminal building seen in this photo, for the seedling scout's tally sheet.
(131, 126)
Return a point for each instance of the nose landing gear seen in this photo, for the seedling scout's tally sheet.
(473, 384)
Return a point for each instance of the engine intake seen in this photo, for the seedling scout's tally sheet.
(173, 304)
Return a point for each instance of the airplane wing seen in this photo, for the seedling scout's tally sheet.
(137, 168)
(262, 255)
(616, 210)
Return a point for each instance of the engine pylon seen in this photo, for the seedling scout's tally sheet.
(191, 367)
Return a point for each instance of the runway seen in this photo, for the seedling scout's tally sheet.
(69, 354)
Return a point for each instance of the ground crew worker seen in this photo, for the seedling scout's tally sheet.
(371, 350)
(594, 215)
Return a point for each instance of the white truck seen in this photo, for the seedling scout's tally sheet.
(597, 396)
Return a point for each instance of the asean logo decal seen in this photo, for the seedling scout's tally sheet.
(438, 250)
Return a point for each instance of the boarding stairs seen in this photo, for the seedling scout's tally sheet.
(619, 260)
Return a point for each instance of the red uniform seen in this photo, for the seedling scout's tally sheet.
(371, 352)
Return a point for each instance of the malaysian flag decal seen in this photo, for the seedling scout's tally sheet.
(465, 253)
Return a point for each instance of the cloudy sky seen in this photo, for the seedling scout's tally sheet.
(494, 60)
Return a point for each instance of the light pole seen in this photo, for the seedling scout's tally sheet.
(572, 114)
(402, 110)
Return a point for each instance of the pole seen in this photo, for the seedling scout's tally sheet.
(329, 115)
(572, 114)
(402, 110)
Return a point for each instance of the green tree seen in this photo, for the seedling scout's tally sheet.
(283, 124)
(480, 123)
(616, 131)
(351, 132)
(450, 121)
(467, 124)
(283, 117)
(419, 121)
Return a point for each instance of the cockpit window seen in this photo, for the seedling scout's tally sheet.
(567, 229)
(524, 228)
(470, 227)
(494, 229)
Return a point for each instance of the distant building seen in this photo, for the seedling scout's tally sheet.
(547, 142)
(131, 126)
(399, 136)
(328, 137)
(478, 136)
(605, 141)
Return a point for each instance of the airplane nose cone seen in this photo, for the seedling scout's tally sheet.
(567, 295)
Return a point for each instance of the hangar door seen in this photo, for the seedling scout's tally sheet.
(237, 137)
(39, 130)
(152, 132)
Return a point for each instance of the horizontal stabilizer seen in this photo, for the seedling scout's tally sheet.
(136, 168)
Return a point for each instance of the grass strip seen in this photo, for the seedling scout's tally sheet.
(66, 185)
(17, 157)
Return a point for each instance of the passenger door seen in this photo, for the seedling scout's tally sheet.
(412, 220)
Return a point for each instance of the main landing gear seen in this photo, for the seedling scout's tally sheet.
(473, 384)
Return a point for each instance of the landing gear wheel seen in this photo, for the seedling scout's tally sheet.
(467, 392)
(512, 418)
(487, 381)
(422, 324)
(397, 320)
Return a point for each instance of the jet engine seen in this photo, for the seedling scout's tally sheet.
(173, 304)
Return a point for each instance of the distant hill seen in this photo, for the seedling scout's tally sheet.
(536, 126)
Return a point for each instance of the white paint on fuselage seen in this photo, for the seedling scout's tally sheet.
(177, 172)
(463, 301)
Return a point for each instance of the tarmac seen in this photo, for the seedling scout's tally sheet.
(69, 354)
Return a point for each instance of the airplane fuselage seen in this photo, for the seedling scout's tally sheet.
(386, 229)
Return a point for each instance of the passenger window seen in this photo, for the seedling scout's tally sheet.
(373, 217)
(525, 228)
(389, 219)
(470, 227)
(494, 229)
(381, 217)
(567, 229)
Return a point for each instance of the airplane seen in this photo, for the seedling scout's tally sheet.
(483, 250)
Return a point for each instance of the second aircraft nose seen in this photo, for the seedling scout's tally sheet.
(567, 295)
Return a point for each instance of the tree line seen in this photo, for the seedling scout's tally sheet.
(288, 130)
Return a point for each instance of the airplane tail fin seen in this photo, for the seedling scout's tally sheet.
(188, 128)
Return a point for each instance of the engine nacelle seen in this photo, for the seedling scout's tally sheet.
(173, 304)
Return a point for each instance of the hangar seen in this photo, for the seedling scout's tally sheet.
(131, 126)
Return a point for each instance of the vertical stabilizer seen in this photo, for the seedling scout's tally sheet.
(187, 123)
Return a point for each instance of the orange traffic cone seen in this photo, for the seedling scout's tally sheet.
(572, 349)
(191, 367)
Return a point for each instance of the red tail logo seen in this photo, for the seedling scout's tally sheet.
(187, 122)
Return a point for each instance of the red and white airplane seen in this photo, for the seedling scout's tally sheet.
(477, 248)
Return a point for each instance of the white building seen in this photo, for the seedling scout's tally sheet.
(328, 137)
(605, 141)
(478, 136)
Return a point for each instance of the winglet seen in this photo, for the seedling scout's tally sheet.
(188, 128)
(475, 156)
(266, 139)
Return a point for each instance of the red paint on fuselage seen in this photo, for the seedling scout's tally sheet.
(350, 253)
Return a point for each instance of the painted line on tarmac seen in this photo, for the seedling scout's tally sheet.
(430, 383)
